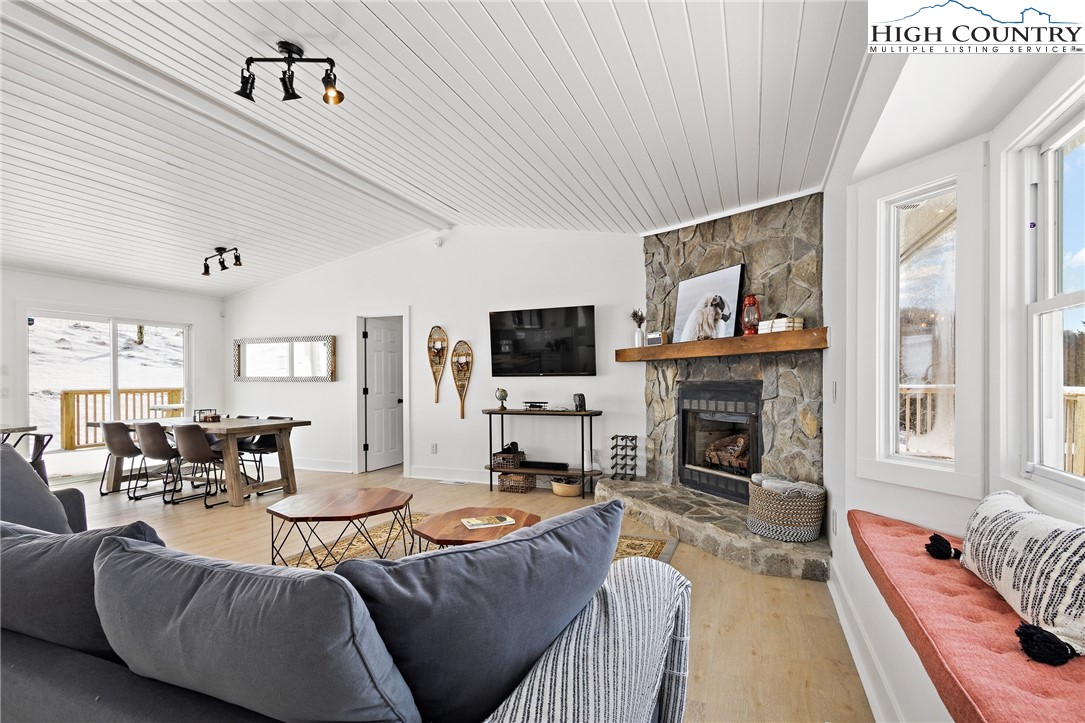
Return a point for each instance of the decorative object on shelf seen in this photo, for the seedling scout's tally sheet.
(656, 338)
(501, 395)
(285, 359)
(535, 406)
(579, 404)
(707, 304)
(463, 360)
(751, 315)
(780, 323)
(513, 482)
(292, 54)
(220, 252)
(510, 457)
(566, 486)
(623, 456)
(638, 318)
(436, 351)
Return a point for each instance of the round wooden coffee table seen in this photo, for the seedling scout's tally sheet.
(354, 507)
(446, 529)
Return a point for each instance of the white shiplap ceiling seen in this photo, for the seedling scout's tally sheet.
(125, 149)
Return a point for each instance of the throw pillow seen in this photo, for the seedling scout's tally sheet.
(1034, 561)
(291, 644)
(24, 498)
(48, 584)
(465, 624)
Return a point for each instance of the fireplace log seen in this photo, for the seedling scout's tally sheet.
(731, 451)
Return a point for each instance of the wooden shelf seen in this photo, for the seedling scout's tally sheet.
(551, 472)
(545, 412)
(777, 342)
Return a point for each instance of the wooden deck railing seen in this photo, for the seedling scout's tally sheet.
(79, 406)
(1073, 405)
(919, 408)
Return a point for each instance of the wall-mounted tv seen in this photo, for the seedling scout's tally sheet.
(543, 342)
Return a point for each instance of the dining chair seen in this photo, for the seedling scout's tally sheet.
(37, 453)
(262, 445)
(119, 444)
(156, 446)
(194, 448)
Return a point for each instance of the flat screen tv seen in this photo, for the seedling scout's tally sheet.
(543, 342)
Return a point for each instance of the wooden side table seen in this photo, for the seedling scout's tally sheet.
(446, 528)
(354, 507)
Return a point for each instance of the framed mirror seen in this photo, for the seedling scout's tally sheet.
(285, 359)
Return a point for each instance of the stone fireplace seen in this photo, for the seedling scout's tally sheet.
(702, 447)
(719, 437)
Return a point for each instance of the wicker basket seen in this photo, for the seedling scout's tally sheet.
(508, 460)
(566, 486)
(515, 482)
(791, 519)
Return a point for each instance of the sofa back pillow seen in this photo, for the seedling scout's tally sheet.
(1034, 561)
(48, 584)
(465, 624)
(24, 498)
(291, 644)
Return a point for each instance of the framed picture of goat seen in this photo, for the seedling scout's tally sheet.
(708, 305)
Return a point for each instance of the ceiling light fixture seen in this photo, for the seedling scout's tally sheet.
(220, 254)
(291, 54)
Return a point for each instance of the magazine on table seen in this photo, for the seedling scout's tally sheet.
(477, 523)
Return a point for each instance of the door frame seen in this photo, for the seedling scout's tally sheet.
(358, 456)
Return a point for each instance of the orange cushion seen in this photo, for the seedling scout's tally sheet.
(963, 630)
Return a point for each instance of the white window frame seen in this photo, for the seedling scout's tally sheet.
(1041, 196)
(877, 321)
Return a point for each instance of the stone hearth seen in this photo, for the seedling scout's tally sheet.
(717, 526)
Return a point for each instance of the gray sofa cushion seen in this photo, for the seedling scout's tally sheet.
(46, 682)
(291, 644)
(48, 584)
(465, 624)
(25, 498)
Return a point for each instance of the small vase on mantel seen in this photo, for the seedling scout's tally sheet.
(638, 337)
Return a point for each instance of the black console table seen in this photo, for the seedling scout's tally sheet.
(583, 474)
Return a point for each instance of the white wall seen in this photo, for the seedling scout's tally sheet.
(896, 684)
(475, 271)
(23, 291)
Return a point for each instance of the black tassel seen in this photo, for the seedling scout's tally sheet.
(940, 549)
(1042, 646)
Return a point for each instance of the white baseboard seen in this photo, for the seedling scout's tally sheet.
(322, 465)
(882, 702)
(479, 476)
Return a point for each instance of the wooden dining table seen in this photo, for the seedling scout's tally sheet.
(229, 431)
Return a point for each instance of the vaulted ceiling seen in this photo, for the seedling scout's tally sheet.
(126, 153)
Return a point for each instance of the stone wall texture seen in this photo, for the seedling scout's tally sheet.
(781, 246)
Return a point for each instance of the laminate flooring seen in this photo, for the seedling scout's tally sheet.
(762, 648)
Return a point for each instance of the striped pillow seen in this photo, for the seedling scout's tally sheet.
(1034, 561)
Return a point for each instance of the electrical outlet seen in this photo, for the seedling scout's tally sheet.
(433, 448)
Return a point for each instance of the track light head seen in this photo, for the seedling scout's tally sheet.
(332, 95)
(288, 85)
(248, 84)
(222, 264)
(237, 258)
(206, 269)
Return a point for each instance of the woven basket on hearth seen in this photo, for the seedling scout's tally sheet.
(790, 519)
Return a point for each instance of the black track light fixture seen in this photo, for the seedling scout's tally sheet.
(332, 95)
(292, 54)
(248, 84)
(288, 85)
(220, 254)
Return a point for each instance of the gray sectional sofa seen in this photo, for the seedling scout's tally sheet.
(113, 625)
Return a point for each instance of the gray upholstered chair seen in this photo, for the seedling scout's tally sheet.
(194, 448)
(119, 444)
(156, 446)
(25, 499)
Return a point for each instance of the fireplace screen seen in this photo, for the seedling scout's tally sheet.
(719, 437)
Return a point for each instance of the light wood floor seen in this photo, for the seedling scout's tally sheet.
(763, 648)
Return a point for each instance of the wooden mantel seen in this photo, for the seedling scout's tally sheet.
(777, 342)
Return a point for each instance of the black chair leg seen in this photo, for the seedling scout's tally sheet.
(101, 483)
(146, 472)
(218, 487)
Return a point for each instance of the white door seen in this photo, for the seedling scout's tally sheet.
(383, 431)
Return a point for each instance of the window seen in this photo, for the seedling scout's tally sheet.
(1057, 313)
(925, 238)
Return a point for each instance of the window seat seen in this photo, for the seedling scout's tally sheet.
(962, 630)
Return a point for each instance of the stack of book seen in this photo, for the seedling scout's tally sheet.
(787, 323)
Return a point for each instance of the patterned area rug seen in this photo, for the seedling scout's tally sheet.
(628, 546)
